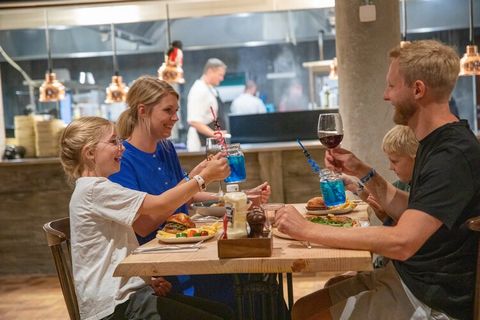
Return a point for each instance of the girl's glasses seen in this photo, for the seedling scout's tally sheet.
(118, 142)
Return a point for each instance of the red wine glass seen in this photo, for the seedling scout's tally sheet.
(330, 129)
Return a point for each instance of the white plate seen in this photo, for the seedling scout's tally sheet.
(184, 239)
(279, 234)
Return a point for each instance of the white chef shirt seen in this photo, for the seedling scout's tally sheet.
(200, 98)
(101, 218)
(247, 104)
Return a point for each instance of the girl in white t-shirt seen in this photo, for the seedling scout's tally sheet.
(102, 216)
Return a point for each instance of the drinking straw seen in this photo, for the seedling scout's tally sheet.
(221, 141)
(313, 164)
(218, 131)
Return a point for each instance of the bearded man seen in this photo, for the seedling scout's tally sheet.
(433, 254)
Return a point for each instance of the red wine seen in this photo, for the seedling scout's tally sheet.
(330, 139)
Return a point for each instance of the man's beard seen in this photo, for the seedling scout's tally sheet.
(403, 113)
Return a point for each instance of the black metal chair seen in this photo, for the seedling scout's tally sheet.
(260, 296)
(474, 225)
(58, 239)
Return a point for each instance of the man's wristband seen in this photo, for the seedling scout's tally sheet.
(359, 190)
(201, 182)
(368, 176)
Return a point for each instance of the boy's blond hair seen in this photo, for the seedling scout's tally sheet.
(400, 140)
(79, 134)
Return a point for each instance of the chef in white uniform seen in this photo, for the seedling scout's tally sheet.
(248, 102)
(201, 97)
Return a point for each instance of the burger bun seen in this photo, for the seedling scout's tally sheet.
(316, 203)
(177, 223)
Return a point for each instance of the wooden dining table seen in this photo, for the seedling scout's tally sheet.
(288, 256)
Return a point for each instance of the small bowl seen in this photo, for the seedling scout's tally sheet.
(205, 209)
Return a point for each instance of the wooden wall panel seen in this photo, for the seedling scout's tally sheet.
(35, 193)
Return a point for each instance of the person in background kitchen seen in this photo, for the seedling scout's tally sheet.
(150, 164)
(248, 102)
(433, 254)
(201, 97)
(294, 98)
(103, 217)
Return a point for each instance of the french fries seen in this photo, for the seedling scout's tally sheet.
(210, 228)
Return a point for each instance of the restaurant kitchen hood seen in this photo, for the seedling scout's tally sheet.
(237, 30)
(233, 30)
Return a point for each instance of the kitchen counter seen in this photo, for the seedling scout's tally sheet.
(246, 147)
(35, 191)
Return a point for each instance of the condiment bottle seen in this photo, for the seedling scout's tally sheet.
(236, 207)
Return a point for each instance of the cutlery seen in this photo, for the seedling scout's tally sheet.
(169, 247)
(306, 244)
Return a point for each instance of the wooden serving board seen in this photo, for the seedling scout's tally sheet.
(245, 247)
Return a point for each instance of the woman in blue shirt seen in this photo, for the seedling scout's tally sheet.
(150, 162)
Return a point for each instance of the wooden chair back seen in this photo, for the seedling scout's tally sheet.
(474, 225)
(58, 239)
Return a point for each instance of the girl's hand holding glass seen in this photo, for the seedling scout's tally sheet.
(198, 168)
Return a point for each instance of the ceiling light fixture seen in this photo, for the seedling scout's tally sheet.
(51, 89)
(117, 90)
(333, 69)
(171, 69)
(470, 62)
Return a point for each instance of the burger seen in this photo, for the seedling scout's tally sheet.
(177, 223)
(316, 203)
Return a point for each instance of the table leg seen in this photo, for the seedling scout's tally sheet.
(238, 295)
(290, 291)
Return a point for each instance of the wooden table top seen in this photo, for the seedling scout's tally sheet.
(287, 256)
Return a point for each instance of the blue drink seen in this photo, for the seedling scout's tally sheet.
(333, 192)
(237, 169)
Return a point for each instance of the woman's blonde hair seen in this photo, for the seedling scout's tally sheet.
(147, 91)
(430, 61)
(80, 133)
(400, 140)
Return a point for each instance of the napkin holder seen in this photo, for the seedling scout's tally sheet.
(245, 247)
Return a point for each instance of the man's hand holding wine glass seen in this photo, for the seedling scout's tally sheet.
(342, 160)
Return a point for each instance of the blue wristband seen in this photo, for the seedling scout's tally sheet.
(186, 177)
(368, 176)
(359, 190)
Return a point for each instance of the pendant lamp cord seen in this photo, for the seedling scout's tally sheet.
(471, 22)
(169, 37)
(404, 9)
(114, 49)
(47, 40)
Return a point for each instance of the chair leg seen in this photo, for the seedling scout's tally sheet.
(64, 283)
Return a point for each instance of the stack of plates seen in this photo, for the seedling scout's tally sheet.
(47, 137)
(25, 134)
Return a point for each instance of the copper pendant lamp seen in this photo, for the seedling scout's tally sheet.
(117, 90)
(470, 62)
(171, 70)
(51, 89)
